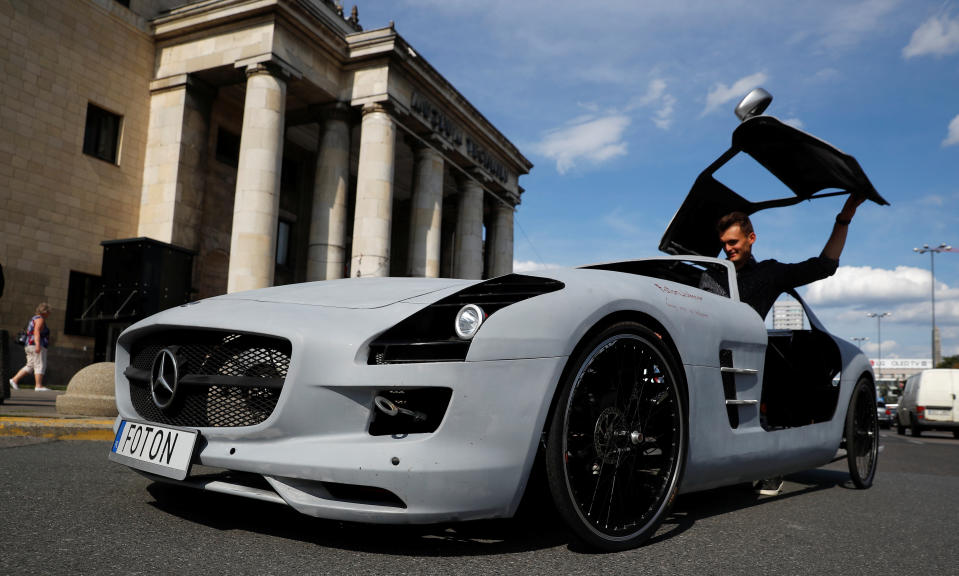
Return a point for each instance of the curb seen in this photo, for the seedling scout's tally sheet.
(58, 428)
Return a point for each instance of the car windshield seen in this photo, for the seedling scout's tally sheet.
(710, 276)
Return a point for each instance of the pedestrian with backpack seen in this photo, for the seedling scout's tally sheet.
(38, 340)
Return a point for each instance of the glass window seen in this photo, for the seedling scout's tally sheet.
(101, 138)
(82, 291)
(709, 276)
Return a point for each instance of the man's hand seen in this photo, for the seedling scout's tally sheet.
(849, 208)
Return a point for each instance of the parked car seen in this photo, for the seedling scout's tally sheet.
(928, 402)
(891, 410)
(883, 414)
(417, 400)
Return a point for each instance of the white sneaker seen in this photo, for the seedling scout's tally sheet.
(13, 384)
(770, 486)
(41, 388)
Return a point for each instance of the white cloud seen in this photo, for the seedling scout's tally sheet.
(660, 100)
(524, 266)
(938, 36)
(846, 24)
(594, 140)
(663, 118)
(794, 122)
(859, 284)
(846, 297)
(622, 222)
(934, 200)
(888, 348)
(826, 75)
(654, 92)
(720, 93)
(953, 137)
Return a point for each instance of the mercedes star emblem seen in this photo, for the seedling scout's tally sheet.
(163, 378)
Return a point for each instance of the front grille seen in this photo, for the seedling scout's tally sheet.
(224, 380)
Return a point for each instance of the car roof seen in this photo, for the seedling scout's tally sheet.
(811, 168)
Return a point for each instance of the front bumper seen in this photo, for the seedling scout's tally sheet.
(316, 442)
(927, 424)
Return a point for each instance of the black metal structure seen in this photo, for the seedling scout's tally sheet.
(139, 277)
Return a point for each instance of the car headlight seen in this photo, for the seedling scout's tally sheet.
(468, 321)
(443, 331)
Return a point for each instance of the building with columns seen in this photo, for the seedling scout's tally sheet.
(277, 140)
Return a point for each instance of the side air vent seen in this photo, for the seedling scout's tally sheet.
(729, 386)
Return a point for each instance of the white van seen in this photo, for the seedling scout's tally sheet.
(928, 402)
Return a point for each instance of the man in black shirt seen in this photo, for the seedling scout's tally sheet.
(761, 283)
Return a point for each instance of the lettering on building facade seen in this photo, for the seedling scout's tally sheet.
(903, 363)
(439, 122)
(485, 160)
(449, 131)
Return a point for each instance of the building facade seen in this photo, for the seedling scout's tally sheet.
(788, 315)
(277, 140)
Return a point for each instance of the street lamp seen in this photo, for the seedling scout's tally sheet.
(942, 247)
(859, 340)
(879, 316)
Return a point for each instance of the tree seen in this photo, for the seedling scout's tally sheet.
(949, 362)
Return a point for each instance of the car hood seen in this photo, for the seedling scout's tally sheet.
(804, 163)
(360, 293)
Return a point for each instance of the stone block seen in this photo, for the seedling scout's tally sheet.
(90, 392)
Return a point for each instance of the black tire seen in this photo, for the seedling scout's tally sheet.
(862, 434)
(955, 433)
(900, 429)
(914, 430)
(617, 439)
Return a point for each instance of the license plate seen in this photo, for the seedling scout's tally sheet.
(938, 413)
(157, 449)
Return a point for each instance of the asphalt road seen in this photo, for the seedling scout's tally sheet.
(64, 509)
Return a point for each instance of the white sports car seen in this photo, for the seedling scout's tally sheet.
(412, 400)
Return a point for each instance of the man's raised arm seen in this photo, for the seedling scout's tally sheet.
(837, 240)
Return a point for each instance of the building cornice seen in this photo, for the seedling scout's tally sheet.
(372, 45)
(307, 15)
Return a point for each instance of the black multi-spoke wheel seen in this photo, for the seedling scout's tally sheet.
(617, 439)
(862, 434)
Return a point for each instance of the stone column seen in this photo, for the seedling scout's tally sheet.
(257, 200)
(468, 259)
(499, 240)
(374, 194)
(326, 258)
(426, 214)
(174, 169)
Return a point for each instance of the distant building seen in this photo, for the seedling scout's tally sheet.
(892, 372)
(276, 140)
(788, 315)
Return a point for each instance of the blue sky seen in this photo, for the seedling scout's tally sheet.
(620, 104)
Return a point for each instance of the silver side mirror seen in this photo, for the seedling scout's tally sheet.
(753, 104)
